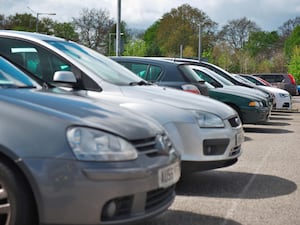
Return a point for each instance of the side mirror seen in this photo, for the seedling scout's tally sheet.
(65, 78)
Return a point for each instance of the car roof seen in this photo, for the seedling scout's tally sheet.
(147, 59)
(29, 35)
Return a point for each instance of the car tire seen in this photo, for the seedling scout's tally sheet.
(16, 203)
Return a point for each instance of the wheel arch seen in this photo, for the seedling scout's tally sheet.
(14, 163)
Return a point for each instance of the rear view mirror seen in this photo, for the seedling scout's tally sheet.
(65, 78)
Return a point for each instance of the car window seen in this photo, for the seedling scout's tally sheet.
(41, 62)
(10, 76)
(33, 58)
(139, 69)
(272, 78)
(154, 73)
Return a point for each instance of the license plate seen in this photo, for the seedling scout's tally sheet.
(169, 175)
(239, 139)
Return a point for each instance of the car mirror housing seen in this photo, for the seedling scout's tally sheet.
(64, 77)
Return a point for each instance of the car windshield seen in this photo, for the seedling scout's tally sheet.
(243, 79)
(100, 65)
(12, 77)
(213, 75)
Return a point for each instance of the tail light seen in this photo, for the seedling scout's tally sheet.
(292, 78)
(191, 88)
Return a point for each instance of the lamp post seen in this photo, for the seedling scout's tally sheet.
(199, 43)
(37, 19)
(109, 41)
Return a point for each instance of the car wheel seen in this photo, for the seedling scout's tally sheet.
(16, 204)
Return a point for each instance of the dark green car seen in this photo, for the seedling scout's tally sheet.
(251, 105)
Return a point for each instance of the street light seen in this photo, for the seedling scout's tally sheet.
(199, 43)
(37, 19)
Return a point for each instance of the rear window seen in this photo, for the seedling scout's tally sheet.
(272, 78)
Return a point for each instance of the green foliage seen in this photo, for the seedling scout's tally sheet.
(181, 27)
(292, 41)
(65, 30)
(135, 48)
(152, 47)
(294, 65)
(22, 22)
(261, 42)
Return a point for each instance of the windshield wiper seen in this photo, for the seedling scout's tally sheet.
(140, 83)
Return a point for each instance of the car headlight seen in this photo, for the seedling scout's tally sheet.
(281, 95)
(255, 104)
(208, 120)
(94, 145)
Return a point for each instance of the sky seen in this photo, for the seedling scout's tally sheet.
(269, 15)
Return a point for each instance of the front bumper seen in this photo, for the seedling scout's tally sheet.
(72, 192)
(255, 115)
(205, 146)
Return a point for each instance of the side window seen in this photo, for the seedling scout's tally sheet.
(138, 68)
(154, 72)
(41, 62)
(204, 77)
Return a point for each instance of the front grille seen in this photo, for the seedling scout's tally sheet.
(234, 121)
(159, 197)
(158, 145)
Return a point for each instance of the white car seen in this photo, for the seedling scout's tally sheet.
(207, 133)
(283, 99)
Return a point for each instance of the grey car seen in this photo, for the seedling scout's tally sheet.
(207, 133)
(284, 81)
(70, 160)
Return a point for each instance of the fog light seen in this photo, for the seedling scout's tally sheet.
(109, 209)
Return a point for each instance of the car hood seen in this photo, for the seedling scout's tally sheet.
(163, 113)
(275, 90)
(245, 92)
(84, 112)
(179, 99)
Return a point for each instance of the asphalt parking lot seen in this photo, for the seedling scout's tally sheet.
(260, 189)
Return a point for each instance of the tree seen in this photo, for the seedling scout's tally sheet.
(152, 46)
(236, 32)
(287, 28)
(294, 65)
(262, 43)
(181, 27)
(291, 42)
(2, 21)
(93, 28)
(65, 30)
(135, 48)
(22, 22)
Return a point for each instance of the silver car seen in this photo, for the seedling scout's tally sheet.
(207, 132)
(70, 160)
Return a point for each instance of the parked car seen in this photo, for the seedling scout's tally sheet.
(70, 160)
(224, 74)
(284, 81)
(283, 99)
(251, 108)
(217, 132)
(189, 73)
(163, 74)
